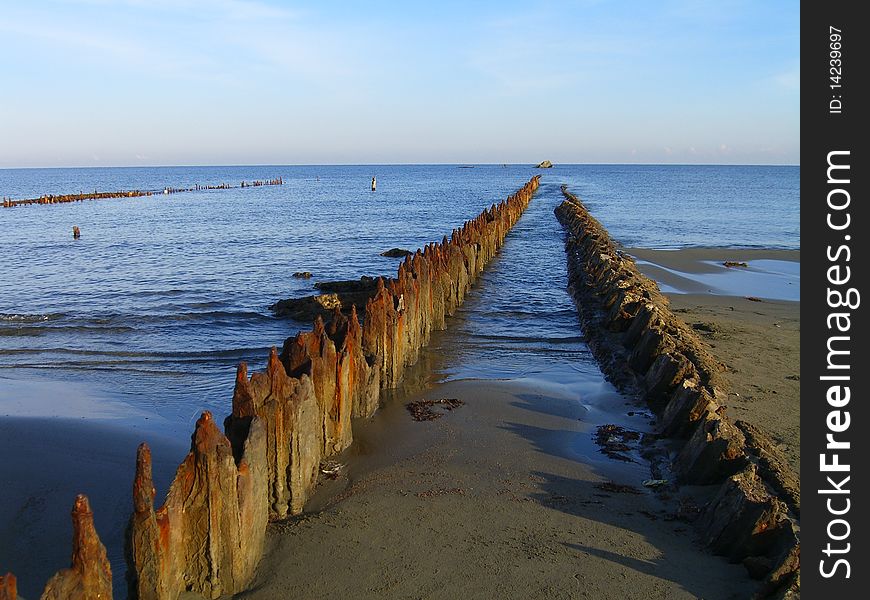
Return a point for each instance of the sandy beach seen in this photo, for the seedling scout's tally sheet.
(61, 438)
(500, 498)
(757, 339)
(46, 462)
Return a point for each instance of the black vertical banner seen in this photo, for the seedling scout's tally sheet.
(835, 418)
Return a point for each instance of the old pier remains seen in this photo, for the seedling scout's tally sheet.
(95, 195)
(645, 349)
(208, 535)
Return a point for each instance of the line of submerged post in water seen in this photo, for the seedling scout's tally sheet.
(95, 195)
(209, 534)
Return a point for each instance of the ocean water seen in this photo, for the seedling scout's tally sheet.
(682, 206)
(162, 296)
(144, 319)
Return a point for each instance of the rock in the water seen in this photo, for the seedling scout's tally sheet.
(306, 308)
(89, 576)
(544, 165)
(343, 295)
(784, 581)
(396, 253)
(363, 284)
(302, 274)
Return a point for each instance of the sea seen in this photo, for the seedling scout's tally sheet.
(162, 296)
(147, 315)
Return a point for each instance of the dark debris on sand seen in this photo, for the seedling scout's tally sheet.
(440, 492)
(424, 410)
(614, 441)
(687, 512)
(617, 488)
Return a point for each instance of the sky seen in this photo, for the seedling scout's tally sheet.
(226, 82)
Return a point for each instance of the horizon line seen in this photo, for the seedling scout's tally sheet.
(400, 164)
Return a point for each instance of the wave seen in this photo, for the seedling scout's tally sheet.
(574, 339)
(29, 318)
(183, 356)
(119, 322)
(548, 313)
(166, 363)
(167, 372)
(159, 293)
(27, 331)
(213, 315)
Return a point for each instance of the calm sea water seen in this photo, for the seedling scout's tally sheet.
(163, 296)
(148, 314)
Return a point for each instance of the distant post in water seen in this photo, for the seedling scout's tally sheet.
(76, 232)
(374, 184)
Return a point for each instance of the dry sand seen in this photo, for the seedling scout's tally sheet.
(757, 340)
(497, 499)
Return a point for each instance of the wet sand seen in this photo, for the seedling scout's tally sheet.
(768, 274)
(48, 457)
(497, 499)
(758, 341)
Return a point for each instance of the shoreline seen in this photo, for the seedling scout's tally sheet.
(323, 378)
(467, 444)
(757, 341)
(651, 353)
(389, 448)
(451, 486)
(499, 498)
(51, 460)
(772, 274)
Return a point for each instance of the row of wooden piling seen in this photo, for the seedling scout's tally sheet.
(208, 535)
(260, 183)
(644, 348)
(95, 195)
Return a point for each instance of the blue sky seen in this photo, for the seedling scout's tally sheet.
(160, 82)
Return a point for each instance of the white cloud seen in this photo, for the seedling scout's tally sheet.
(227, 42)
